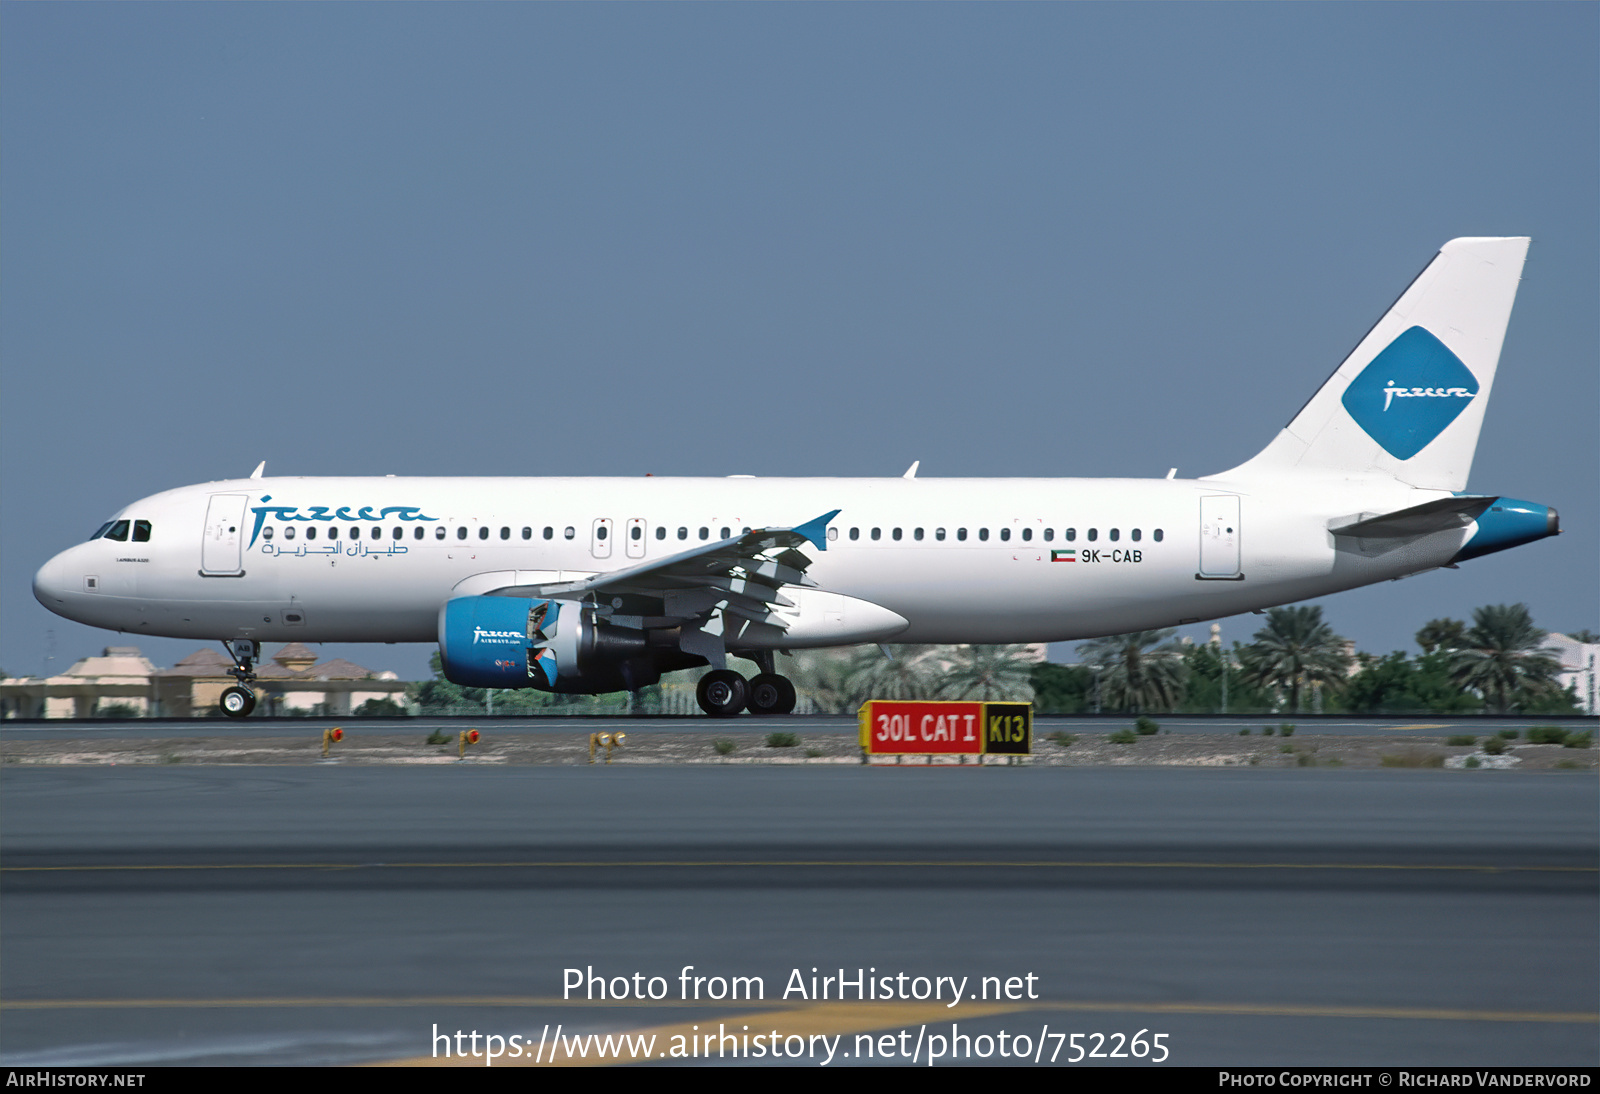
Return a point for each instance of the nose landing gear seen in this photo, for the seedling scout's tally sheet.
(240, 699)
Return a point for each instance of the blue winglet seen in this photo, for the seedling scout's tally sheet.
(817, 530)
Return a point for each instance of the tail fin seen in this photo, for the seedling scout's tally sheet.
(1409, 401)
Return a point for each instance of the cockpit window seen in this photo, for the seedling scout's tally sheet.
(141, 531)
(102, 530)
(119, 531)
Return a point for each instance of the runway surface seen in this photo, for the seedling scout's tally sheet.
(162, 915)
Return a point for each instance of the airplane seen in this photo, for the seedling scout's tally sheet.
(591, 585)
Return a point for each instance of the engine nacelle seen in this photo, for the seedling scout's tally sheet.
(551, 645)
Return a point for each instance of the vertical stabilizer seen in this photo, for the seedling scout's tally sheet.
(1409, 401)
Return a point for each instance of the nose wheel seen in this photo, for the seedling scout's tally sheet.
(239, 700)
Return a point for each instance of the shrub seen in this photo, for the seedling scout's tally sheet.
(1473, 761)
(1576, 740)
(1123, 737)
(1509, 734)
(1546, 735)
(725, 747)
(1494, 746)
(1286, 748)
(782, 740)
(1462, 739)
(1147, 727)
(813, 753)
(1267, 731)
(438, 737)
(1245, 732)
(1286, 730)
(1065, 740)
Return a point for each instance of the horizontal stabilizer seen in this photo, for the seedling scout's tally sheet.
(1433, 516)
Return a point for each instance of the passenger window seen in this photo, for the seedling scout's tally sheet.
(438, 533)
(1005, 534)
(569, 531)
(1027, 534)
(549, 532)
(1094, 534)
(661, 531)
(1157, 535)
(416, 533)
(877, 533)
(461, 532)
(288, 533)
(266, 533)
(311, 533)
(636, 533)
(141, 531)
(397, 532)
(683, 533)
(483, 532)
(1070, 534)
(527, 533)
(705, 533)
(855, 533)
(726, 532)
(119, 531)
(1134, 535)
(938, 534)
(333, 531)
(377, 533)
(600, 532)
(833, 534)
(895, 534)
(1115, 535)
(961, 533)
(917, 534)
(983, 533)
(1049, 534)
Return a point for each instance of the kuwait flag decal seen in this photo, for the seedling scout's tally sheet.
(1069, 555)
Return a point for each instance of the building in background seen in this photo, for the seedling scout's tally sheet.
(122, 682)
(1577, 667)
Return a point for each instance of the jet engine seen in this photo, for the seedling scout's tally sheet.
(551, 645)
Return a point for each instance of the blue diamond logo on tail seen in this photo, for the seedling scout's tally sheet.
(1410, 393)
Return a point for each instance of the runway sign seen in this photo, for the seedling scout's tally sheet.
(891, 727)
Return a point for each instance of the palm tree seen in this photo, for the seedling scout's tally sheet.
(1294, 649)
(907, 672)
(1441, 634)
(1133, 676)
(1003, 673)
(1500, 657)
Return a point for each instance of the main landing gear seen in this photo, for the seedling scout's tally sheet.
(240, 699)
(723, 693)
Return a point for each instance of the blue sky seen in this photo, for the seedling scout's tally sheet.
(798, 239)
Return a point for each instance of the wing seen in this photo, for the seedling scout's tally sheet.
(714, 592)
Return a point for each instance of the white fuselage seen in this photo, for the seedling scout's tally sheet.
(961, 560)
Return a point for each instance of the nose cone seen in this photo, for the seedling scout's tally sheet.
(50, 584)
